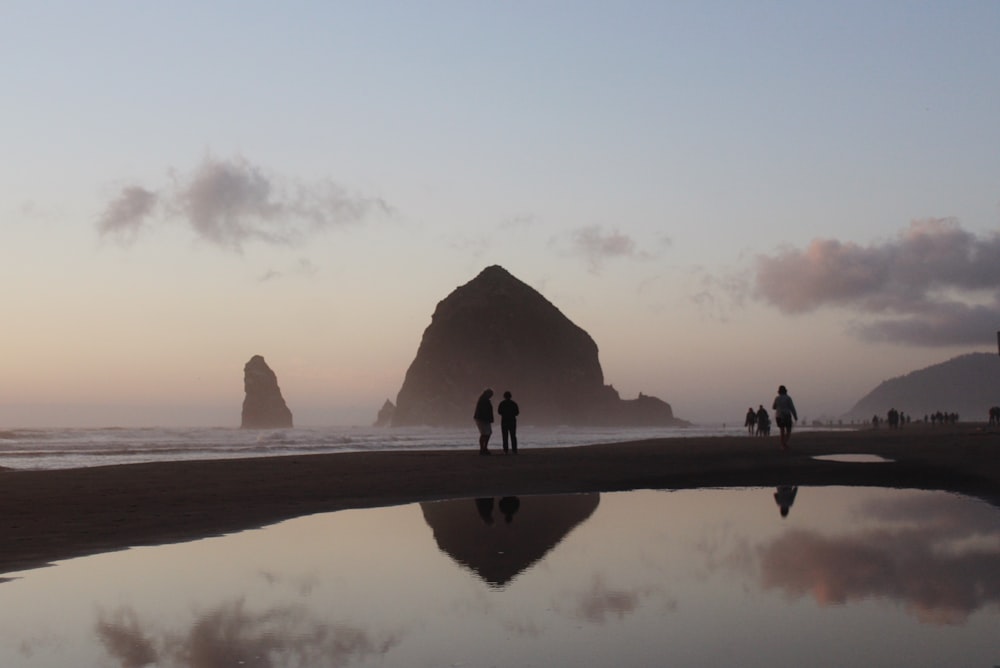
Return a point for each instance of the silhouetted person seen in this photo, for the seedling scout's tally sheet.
(784, 413)
(484, 506)
(751, 422)
(763, 422)
(484, 420)
(508, 411)
(508, 506)
(784, 496)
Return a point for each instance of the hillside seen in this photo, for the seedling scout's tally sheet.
(967, 385)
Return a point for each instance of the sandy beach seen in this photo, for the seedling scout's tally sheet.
(47, 516)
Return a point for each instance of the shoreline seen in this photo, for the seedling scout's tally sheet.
(47, 516)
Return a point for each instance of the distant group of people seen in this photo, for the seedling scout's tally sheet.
(941, 418)
(758, 422)
(483, 417)
(895, 419)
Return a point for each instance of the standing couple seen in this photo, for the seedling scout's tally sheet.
(484, 421)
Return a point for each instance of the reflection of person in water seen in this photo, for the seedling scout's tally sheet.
(484, 506)
(508, 506)
(784, 496)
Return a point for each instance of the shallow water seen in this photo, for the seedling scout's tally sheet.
(851, 458)
(850, 576)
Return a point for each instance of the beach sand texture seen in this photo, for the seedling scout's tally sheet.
(47, 516)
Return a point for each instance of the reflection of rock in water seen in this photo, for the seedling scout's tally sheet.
(499, 538)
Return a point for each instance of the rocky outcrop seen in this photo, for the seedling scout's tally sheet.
(263, 406)
(384, 417)
(496, 331)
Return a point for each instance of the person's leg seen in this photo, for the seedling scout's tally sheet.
(484, 438)
(505, 433)
(513, 437)
(786, 431)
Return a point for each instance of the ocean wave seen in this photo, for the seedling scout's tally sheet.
(78, 448)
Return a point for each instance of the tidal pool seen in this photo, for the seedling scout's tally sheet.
(828, 576)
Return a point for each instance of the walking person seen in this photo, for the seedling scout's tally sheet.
(784, 413)
(484, 420)
(751, 421)
(508, 412)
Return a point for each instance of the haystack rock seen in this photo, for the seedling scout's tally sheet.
(263, 407)
(498, 332)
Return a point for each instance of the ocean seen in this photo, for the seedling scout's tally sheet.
(78, 448)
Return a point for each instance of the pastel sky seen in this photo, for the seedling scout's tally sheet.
(726, 195)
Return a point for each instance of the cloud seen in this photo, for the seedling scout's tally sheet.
(302, 268)
(718, 296)
(934, 284)
(126, 213)
(597, 246)
(231, 202)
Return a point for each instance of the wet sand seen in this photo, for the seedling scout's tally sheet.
(52, 515)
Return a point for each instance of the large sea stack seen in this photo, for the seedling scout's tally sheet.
(263, 406)
(498, 332)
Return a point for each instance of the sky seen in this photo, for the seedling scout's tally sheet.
(727, 196)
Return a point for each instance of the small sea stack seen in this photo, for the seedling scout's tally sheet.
(263, 406)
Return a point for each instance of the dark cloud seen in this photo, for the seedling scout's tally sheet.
(934, 284)
(231, 202)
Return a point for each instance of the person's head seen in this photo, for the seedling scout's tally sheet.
(506, 395)
(782, 390)
(488, 392)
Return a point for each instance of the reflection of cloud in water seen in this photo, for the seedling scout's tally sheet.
(938, 554)
(602, 603)
(123, 638)
(230, 635)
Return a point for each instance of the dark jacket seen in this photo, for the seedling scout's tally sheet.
(508, 411)
(484, 409)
